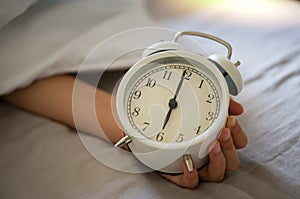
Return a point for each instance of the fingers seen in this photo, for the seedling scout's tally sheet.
(188, 179)
(238, 135)
(214, 171)
(235, 108)
(222, 155)
(229, 151)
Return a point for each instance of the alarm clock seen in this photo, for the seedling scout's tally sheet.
(173, 103)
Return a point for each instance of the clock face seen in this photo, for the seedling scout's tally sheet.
(172, 100)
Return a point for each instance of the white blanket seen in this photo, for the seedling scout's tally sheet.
(54, 37)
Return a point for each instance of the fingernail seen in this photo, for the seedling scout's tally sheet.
(188, 162)
(216, 148)
(227, 135)
(219, 134)
(203, 173)
(233, 122)
(211, 146)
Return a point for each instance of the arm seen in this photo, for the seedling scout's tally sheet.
(42, 98)
(52, 98)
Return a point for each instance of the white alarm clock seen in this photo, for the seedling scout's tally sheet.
(173, 103)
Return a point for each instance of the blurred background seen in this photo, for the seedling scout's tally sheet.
(248, 11)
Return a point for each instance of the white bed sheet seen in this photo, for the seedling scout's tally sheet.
(40, 158)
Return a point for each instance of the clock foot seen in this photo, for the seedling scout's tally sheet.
(124, 141)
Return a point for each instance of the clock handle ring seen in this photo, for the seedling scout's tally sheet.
(207, 36)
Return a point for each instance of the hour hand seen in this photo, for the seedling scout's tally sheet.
(167, 118)
(172, 105)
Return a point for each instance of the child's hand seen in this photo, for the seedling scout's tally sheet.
(222, 156)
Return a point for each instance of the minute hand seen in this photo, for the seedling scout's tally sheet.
(179, 85)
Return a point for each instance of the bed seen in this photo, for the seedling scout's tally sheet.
(40, 158)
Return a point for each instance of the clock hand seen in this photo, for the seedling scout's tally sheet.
(172, 105)
(172, 101)
(179, 85)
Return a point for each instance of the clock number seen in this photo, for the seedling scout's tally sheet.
(210, 116)
(210, 98)
(167, 75)
(136, 111)
(180, 138)
(145, 125)
(151, 83)
(137, 94)
(201, 83)
(197, 130)
(187, 74)
(160, 136)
